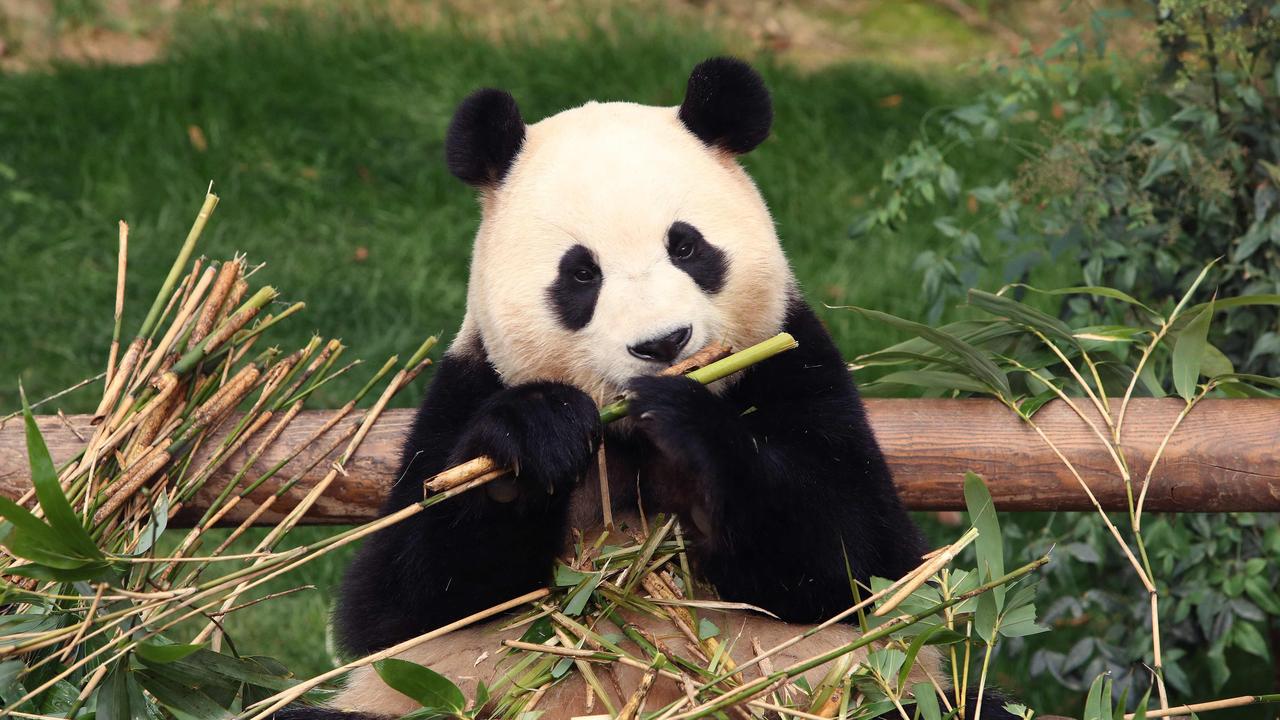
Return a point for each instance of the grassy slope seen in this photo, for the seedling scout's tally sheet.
(323, 140)
(337, 146)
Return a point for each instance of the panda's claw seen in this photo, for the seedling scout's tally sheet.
(532, 429)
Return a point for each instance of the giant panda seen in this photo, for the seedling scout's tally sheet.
(615, 240)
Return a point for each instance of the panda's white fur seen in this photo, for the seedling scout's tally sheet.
(613, 177)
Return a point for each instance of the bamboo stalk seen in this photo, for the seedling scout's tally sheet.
(134, 478)
(1234, 702)
(184, 254)
(228, 274)
(922, 573)
(122, 266)
(476, 468)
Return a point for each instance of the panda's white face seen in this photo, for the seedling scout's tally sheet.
(618, 244)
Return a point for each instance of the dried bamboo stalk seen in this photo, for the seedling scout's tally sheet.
(122, 265)
(133, 479)
(228, 275)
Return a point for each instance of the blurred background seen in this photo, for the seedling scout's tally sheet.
(321, 123)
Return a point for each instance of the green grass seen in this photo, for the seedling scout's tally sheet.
(325, 138)
(322, 140)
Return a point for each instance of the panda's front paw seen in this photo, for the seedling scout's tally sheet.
(546, 432)
(685, 421)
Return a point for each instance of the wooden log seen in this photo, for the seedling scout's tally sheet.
(1225, 457)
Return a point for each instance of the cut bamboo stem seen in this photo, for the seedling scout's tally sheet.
(476, 468)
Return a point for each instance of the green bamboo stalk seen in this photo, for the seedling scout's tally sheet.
(175, 271)
(421, 353)
(717, 370)
(192, 357)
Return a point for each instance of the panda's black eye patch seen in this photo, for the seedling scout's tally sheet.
(577, 287)
(690, 252)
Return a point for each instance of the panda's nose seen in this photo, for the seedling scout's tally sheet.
(662, 349)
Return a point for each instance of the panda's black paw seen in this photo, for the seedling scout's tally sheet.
(685, 421)
(547, 432)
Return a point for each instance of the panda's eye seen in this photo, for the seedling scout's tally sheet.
(683, 250)
(586, 275)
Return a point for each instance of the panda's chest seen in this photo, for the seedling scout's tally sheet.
(628, 478)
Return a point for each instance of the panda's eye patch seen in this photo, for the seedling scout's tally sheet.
(576, 288)
(701, 260)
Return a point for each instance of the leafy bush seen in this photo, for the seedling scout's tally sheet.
(1210, 579)
(1139, 180)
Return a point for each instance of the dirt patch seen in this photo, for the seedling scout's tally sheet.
(805, 33)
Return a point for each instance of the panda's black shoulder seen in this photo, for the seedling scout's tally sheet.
(814, 370)
(462, 381)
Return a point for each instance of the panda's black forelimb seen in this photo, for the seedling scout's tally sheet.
(475, 550)
(796, 497)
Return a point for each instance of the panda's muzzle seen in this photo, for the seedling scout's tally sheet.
(664, 349)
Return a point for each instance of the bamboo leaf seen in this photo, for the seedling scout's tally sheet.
(1188, 353)
(242, 669)
(899, 357)
(1251, 379)
(934, 379)
(1095, 290)
(926, 701)
(1215, 362)
(163, 653)
(974, 332)
(10, 671)
(44, 478)
(156, 525)
(1180, 315)
(1234, 302)
(1028, 406)
(990, 544)
(91, 571)
(425, 686)
(986, 620)
(1093, 702)
(578, 600)
(185, 702)
(978, 361)
(1020, 622)
(120, 697)
(33, 540)
(1022, 314)
(913, 650)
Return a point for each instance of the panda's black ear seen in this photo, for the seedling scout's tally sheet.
(484, 137)
(727, 105)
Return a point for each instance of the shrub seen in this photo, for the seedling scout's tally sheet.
(1137, 177)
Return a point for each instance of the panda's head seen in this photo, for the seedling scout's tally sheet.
(616, 238)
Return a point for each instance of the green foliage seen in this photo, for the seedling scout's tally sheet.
(438, 696)
(1138, 188)
(1216, 574)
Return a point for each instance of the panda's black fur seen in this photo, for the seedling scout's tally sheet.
(794, 493)
(784, 461)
